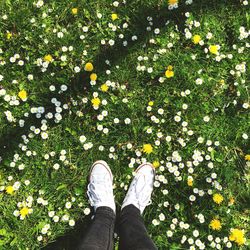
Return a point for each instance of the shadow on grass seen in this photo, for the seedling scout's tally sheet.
(11, 138)
(71, 240)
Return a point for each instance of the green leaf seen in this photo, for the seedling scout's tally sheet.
(61, 187)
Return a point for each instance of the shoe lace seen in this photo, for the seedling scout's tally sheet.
(143, 195)
(97, 191)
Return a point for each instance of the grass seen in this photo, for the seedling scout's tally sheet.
(131, 89)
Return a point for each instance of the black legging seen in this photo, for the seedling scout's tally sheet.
(132, 231)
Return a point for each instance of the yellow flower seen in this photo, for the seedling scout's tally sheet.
(9, 190)
(48, 58)
(172, 2)
(247, 157)
(89, 66)
(218, 198)
(8, 35)
(151, 103)
(22, 94)
(93, 77)
(104, 87)
(24, 211)
(114, 16)
(196, 39)
(156, 164)
(190, 181)
(96, 102)
(231, 201)
(74, 11)
(169, 73)
(215, 224)
(238, 236)
(147, 148)
(213, 49)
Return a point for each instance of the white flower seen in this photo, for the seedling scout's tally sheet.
(105, 130)
(40, 238)
(26, 182)
(82, 138)
(245, 136)
(169, 233)
(56, 218)
(116, 120)
(39, 4)
(51, 213)
(44, 230)
(206, 118)
(72, 222)
(161, 217)
(245, 105)
(160, 111)
(127, 121)
(85, 29)
(86, 211)
(196, 233)
(60, 34)
(199, 81)
(192, 197)
(2, 92)
(44, 135)
(155, 222)
(68, 205)
(177, 118)
(77, 69)
(56, 166)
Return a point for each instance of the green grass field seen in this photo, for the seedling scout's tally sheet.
(127, 82)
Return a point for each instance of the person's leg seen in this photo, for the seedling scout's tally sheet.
(101, 232)
(132, 231)
(100, 192)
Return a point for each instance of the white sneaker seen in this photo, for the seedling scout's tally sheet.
(100, 187)
(140, 190)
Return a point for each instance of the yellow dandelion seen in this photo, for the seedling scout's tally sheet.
(8, 35)
(213, 49)
(89, 66)
(74, 11)
(150, 103)
(96, 102)
(190, 181)
(247, 157)
(218, 198)
(196, 39)
(9, 190)
(48, 58)
(93, 77)
(22, 94)
(231, 201)
(104, 87)
(172, 2)
(169, 73)
(147, 148)
(114, 16)
(24, 211)
(215, 224)
(238, 236)
(156, 164)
